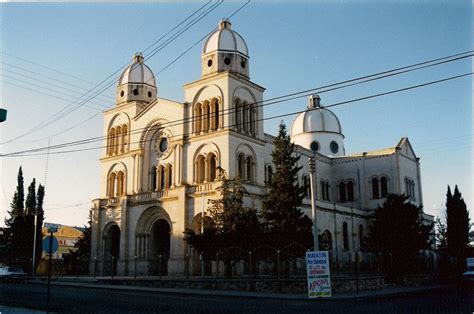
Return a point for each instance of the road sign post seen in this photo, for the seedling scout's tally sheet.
(52, 228)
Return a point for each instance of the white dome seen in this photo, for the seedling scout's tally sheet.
(226, 40)
(316, 119)
(137, 73)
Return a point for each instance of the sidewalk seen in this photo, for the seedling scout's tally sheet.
(8, 310)
(367, 294)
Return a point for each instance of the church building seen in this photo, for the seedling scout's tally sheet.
(164, 158)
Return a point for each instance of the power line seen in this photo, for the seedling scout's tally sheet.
(159, 48)
(104, 98)
(50, 89)
(22, 154)
(164, 68)
(68, 108)
(295, 95)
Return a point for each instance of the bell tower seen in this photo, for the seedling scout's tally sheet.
(137, 82)
(225, 50)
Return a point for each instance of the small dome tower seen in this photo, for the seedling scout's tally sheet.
(225, 50)
(137, 82)
(318, 129)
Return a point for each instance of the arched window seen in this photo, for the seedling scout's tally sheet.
(200, 169)
(269, 174)
(323, 190)
(206, 116)
(118, 139)
(153, 182)
(238, 114)
(111, 189)
(111, 141)
(383, 186)
(342, 192)
(197, 118)
(169, 175)
(124, 139)
(212, 166)
(328, 192)
(240, 166)
(345, 235)
(326, 241)
(162, 174)
(120, 184)
(252, 120)
(249, 169)
(375, 188)
(350, 191)
(410, 188)
(245, 117)
(215, 114)
(361, 235)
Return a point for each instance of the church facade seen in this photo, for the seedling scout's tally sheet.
(163, 160)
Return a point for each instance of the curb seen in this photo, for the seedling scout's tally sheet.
(377, 294)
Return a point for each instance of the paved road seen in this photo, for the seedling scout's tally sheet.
(87, 300)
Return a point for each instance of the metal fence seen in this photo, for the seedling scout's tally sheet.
(232, 262)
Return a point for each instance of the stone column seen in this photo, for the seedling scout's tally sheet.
(139, 173)
(206, 170)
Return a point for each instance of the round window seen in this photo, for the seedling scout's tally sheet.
(314, 146)
(227, 61)
(334, 147)
(163, 144)
(209, 62)
(121, 94)
(242, 64)
(149, 94)
(135, 91)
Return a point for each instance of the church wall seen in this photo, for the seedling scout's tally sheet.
(408, 169)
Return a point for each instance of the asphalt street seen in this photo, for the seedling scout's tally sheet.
(92, 300)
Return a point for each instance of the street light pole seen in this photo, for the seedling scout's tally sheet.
(33, 264)
(312, 178)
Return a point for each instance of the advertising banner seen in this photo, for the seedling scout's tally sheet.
(319, 277)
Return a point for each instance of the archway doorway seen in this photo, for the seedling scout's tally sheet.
(111, 249)
(159, 248)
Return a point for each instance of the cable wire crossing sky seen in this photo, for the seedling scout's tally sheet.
(60, 66)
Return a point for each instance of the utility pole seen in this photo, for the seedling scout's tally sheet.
(312, 178)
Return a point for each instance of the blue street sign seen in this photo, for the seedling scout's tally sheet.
(46, 247)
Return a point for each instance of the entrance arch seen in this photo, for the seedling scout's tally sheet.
(159, 247)
(153, 238)
(111, 240)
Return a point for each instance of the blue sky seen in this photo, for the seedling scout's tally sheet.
(293, 46)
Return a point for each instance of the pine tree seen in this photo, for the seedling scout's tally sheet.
(229, 223)
(39, 222)
(30, 203)
(457, 230)
(17, 204)
(280, 208)
(398, 233)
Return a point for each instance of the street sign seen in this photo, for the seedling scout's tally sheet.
(52, 227)
(318, 274)
(47, 245)
(48, 225)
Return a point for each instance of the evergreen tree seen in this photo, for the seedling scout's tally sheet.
(441, 244)
(229, 223)
(399, 234)
(457, 230)
(17, 204)
(280, 209)
(30, 203)
(39, 222)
